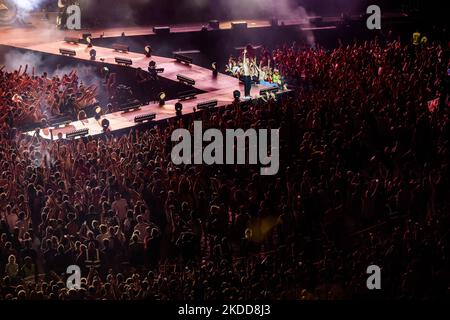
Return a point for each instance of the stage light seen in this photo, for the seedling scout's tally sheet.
(77, 133)
(179, 108)
(161, 30)
(207, 104)
(93, 54)
(86, 35)
(236, 95)
(148, 51)
(214, 69)
(124, 62)
(189, 94)
(162, 98)
(181, 58)
(105, 71)
(72, 40)
(98, 110)
(239, 25)
(145, 117)
(120, 47)
(132, 105)
(186, 80)
(67, 52)
(105, 124)
(214, 24)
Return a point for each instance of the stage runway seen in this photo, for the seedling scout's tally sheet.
(219, 88)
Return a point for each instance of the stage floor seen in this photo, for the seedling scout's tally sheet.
(218, 88)
(39, 31)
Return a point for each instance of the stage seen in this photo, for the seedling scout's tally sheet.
(220, 87)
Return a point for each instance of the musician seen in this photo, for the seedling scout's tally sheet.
(246, 73)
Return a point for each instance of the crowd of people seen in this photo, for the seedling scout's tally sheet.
(261, 66)
(363, 180)
(27, 98)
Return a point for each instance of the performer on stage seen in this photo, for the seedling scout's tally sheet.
(246, 72)
(61, 19)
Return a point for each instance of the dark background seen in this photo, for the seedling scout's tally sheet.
(149, 12)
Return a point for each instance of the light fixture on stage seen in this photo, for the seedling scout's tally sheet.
(148, 51)
(86, 35)
(77, 133)
(132, 105)
(207, 104)
(67, 52)
(98, 110)
(237, 95)
(145, 117)
(181, 58)
(125, 62)
(214, 69)
(72, 40)
(105, 72)
(161, 30)
(89, 41)
(105, 124)
(189, 94)
(239, 25)
(93, 54)
(214, 24)
(162, 98)
(120, 47)
(179, 108)
(186, 80)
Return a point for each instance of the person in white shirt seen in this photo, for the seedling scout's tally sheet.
(120, 207)
(246, 75)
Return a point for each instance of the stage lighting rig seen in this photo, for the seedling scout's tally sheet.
(181, 58)
(148, 51)
(207, 104)
(130, 106)
(145, 117)
(67, 52)
(125, 62)
(189, 94)
(71, 40)
(179, 108)
(120, 47)
(89, 41)
(214, 69)
(77, 133)
(105, 124)
(186, 80)
(93, 54)
(162, 98)
(237, 95)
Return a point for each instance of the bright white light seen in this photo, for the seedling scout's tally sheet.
(27, 5)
